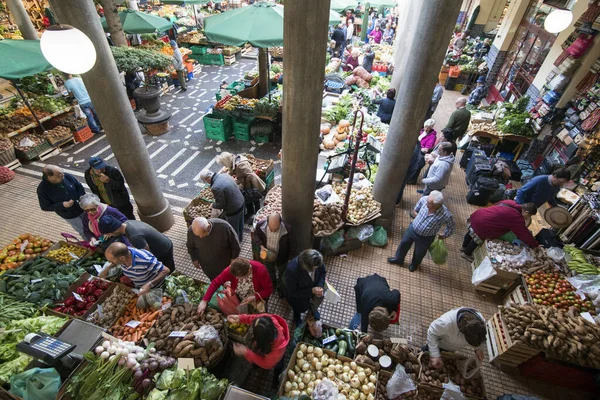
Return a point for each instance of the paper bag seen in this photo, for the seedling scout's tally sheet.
(331, 295)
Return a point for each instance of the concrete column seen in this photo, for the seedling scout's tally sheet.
(122, 131)
(302, 95)
(409, 11)
(417, 83)
(17, 10)
(263, 72)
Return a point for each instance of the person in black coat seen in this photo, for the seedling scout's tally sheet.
(304, 283)
(108, 183)
(376, 304)
(60, 192)
(386, 106)
(339, 37)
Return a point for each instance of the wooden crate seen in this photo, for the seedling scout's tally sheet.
(230, 60)
(503, 352)
(517, 296)
(501, 283)
(62, 243)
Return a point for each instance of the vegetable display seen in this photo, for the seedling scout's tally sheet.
(66, 253)
(450, 371)
(580, 263)
(182, 287)
(88, 263)
(179, 384)
(372, 351)
(272, 204)
(58, 133)
(517, 259)
(339, 341)
(87, 295)
(552, 289)
(112, 306)
(40, 280)
(135, 322)
(22, 248)
(14, 310)
(361, 206)
(327, 218)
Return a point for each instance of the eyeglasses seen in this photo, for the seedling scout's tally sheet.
(91, 209)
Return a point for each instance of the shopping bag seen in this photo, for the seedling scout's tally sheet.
(438, 251)
(334, 241)
(228, 302)
(78, 111)
(379, 237)
(452, 392)
(331, 295)
(36, 384)
(399, 383)
(484, 272)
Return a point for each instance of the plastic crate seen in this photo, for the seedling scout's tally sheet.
(270, 179)
(262, 138)
(241, 128)
(198, 50)
(211, 59)
(33, 152)
(217, 127)
(83, 134)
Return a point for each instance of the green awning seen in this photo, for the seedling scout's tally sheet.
(185, 2)
(137, 22)
(383, 3)
(334, 17)
(342, 5)
(21, 58)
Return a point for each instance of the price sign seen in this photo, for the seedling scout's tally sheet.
(77, 296)
(178, 334)
(185, 297)
(37, 280)
(73, 255)
(99, 268)
(100, 311)
(24, 245)
(329, 339)
(133, 324)
(166, 306)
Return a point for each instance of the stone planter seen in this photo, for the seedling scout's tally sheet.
(152, 117)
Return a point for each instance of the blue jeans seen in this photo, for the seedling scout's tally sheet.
(92, 117)
(422, 244)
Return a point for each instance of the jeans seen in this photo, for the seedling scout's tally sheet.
(182, 76)
(92, 117)
(469, 244)
(355, 322)
(422, 244)
(237, 223)
(77, 224)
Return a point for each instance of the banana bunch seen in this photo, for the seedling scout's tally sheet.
(579, 262)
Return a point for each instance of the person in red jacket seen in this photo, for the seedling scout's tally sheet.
(493, 222)
(269, 336)
(249, 280)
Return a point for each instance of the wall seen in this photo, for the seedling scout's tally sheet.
(495, 14)
(510, 24)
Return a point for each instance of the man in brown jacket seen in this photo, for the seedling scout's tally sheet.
(212, 244)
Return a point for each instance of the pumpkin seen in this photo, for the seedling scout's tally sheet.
(340, 136)
(329, 144)
(325, 129)
(344, 123)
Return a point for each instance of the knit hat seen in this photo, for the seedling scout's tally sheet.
(108, 224)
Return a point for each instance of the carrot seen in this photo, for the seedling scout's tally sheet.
(154, 315)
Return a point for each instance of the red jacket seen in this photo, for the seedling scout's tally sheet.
(495, 221)
(260, 277)
(281, 341)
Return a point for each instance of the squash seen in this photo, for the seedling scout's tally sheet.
(329, 144)
(344, 123)
(340, 136)
(325, 130)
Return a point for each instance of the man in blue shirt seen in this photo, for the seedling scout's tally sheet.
(543, 188)
(438, 92)
(77, 89)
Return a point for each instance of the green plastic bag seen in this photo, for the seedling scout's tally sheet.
(379, 237)
(334, 241)
(438, 251)
(36, 384)
(508, 237)
(214, 302)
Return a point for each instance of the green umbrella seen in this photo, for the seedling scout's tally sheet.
(334, 17)
(383, 3)
(342, 5)
(260, 24)
(185, 2)
(21, 58)
(140, 22)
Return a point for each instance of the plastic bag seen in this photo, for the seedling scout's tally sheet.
(315, 327)
(379, 237)
(399, 383)
(206, 335)
(466, 364)
(520, 259)
(361, 233)
(228, 302)
(452, 392)
(508, 237)
(334, 241)
(438, 251)
(26, 142)
(152, 300)
(484, 272)
(325, 390)
(36, 384)
(555, 253)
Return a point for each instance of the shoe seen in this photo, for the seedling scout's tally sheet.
(184, 90)
(392, 260)
(463, 249)
(467, 257)
(412, 268)
(420, 191)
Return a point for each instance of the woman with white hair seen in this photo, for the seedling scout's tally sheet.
(425, 143)
(94, 209)
(239, 167)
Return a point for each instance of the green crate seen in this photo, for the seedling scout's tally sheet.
(217, 127)
(211, 59)
(262, 138)
(201, 50)
(241, 128)
(270, 179)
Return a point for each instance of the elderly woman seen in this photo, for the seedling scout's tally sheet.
(94, 209)
(376, 35)
(250, 281)
(304, 283)
(239, 167)
(351, 61)
(388, 34)
(426, 141)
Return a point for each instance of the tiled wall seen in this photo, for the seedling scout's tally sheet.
(476, 30)
(495, 59)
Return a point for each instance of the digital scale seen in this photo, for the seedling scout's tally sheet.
(51, 351)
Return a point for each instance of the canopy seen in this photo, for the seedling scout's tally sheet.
(341, 5)
(21, 58)
(185, 2)
(140, 22)
(334, 17)
(260, 24)
(382, 3)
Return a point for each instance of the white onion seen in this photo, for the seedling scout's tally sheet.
(99, 350)
(130, 363)
(124, 352)
(139, 356)
(122, 361)
(105, 354)
(106, 344)
(111, 357)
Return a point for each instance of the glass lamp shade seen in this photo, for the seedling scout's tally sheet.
(558, 20)
(68, 49)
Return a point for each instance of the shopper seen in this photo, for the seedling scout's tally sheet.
(369, 30)
(543, 188)
(212, 244)
(60, 192)
(460, 43)
(460, 118)
(376, 35)
(277, 244)
(388, 34)
(495, 221)
(439, 173)
(349, 30)
(386, 106)
(240, 168)
(268, 338)
(132, 82)
(438, 92)
(108, 183)
(94, 209)
(249, 281)
(304, 283)
(425, 142)
(228, 198)
(430, 214)
(339, 37)
(178, 64)
(477, 94)
(453, 331)
(141, 236)
(376, 305)
(446, 136)
(351, 61)
(368, 58)
(77, 89)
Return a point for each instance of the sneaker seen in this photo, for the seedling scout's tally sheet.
(420, 191)
(467, 257)
(412, 268)
(392, 260)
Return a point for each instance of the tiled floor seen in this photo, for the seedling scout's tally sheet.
(426, 294)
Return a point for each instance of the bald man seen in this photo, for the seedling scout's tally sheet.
(60, 192)
(212, 244)
(460, 118)
(277, 245)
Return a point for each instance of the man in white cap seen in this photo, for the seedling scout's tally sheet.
(178, 64)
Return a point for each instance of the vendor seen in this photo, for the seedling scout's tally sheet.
(386, 106)
(376, 304)
(94, 209)
(249, 280)
(496, 221)
(351, 61)
(453, 331)
(477, 94)
(543, 188)
(304, 283)
(144, 270)
(368, 59)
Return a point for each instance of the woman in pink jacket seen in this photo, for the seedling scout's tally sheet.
(269, 336)
(427, 138)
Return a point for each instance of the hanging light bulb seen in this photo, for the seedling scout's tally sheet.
(68, 49)
(558, 20)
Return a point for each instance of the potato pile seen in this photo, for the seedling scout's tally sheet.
(5, 144)
(259, 166)
(202, 209)
(398, 353)
(450, 371)
(503, 254)
(382, 390)
(327, 218)
(184, 318)
(111, 307)
(272, 203)
(58, 133)
(563, 335)
(37, 140)
(362, 204)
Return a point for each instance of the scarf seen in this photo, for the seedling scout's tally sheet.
(95, 218)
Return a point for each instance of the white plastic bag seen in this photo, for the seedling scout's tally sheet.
(331, 295)
(26, 142)
(325, 390)
(78, 112)
(207, 335)
(521, 258)
(484, 272)
(399, 383)
(452, 392)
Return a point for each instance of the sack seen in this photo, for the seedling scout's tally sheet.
(151, 300)
(6, 175)
(325, 390)
(438, 251)
(361, 233)
(36, 384)
(379, 237)
(399, 383)
(484, 272)
(228, 301)
(334, 241)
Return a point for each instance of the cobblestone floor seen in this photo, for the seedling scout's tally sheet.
(426, 294)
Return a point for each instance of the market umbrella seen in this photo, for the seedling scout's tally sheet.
(136, 22)
(334, 17)
(383, 3)
(185, 2)
(341, 5)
